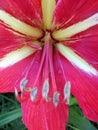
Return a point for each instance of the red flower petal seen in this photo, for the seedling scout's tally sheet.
(25, 11)
(41, 114)
(37, 4)
(87, 85)
(84, 87)
(11, 75)
(70, 12)
(87, 48)
(9, 41)
(44, 116)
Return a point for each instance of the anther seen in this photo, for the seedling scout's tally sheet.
(23, 84)
(33, 94)
(67, 89)
(56, 99)
(45, 89)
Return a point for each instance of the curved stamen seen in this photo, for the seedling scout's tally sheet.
(34, 90)
(23, 84)
(40, 68)
(25, 89)
(56, 93)
(19, 98)
(46, 86)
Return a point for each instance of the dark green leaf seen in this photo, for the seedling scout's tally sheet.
(10, 116)
(79, 121)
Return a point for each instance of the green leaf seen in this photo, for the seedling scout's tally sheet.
(79, 121)
(10, 116)
(73, 101)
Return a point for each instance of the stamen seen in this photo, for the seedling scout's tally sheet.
(56, 99)
(23, 84)
(20, 98)
(74, 29)
(16, 56)
(75, 59)
(20, 26)
(16, 92)
(33, 94)
(67, 89)
(47, 10)
(45, 89)
(17, 95)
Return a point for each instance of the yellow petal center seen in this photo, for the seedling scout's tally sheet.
(47, 11)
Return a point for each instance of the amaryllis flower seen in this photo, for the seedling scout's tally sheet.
(47, 49)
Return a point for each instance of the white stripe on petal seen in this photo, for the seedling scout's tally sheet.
(16, 56)
(20, 26)
(47, 11)
(74, 29)
(75, 59)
